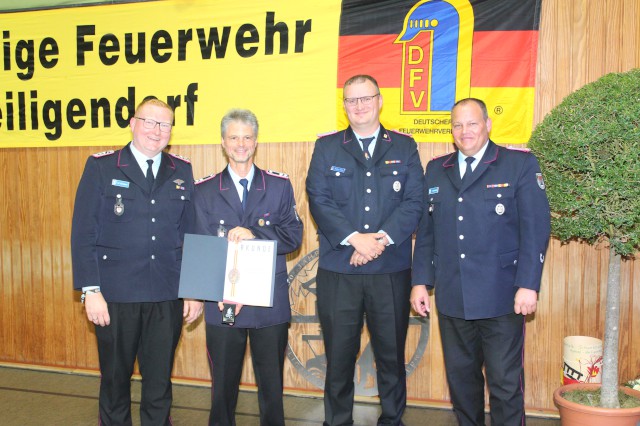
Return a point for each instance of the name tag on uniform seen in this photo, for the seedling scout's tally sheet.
(434, 190)
(337, 169)
(120, 183)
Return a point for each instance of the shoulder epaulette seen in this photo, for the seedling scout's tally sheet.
(102, 154)
(180, 157)
(514, 148)
(321, 135)
(204, 179)
(277, 174)
(401, 133)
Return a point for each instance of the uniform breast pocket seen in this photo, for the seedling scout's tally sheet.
(119, 204)
(177, 202)
(340, 182)
(500, 202)
(393, 179)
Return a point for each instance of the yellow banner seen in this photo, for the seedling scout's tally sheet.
(72, 77)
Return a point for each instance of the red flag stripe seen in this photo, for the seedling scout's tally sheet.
(375, 55)
(504, 59)
(510, 65)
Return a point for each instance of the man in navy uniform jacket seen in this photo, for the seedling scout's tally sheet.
(126, 246)
(365, 195)
(265, 210)
(481, 243)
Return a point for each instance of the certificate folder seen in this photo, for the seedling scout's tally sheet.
(216, 270)
(204, 259)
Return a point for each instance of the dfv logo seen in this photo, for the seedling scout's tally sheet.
(306, 348)
(436, 55)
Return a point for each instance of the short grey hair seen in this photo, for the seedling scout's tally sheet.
(243, 115)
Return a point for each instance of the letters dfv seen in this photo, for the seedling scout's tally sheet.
(436, 57)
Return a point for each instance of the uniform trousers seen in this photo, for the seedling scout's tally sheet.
(498, 343)
(226, 347)
(343, 301)
(150, 332)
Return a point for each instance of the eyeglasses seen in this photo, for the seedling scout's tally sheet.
(366, 100)
(151, 124)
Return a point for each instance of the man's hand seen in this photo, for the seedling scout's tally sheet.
(526, 301)
(420, 300)
(192, 310)
(357, 259)
(239, 233)
(96, 308)
(367, 246)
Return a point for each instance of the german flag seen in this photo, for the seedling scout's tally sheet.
(427, 54)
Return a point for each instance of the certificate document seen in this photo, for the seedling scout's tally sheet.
(250, 272)
(217, 270)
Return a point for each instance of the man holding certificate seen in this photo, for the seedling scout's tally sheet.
(241, 203)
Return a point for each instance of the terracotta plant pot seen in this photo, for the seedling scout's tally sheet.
(572, 414)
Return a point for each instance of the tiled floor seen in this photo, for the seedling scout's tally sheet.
(30, 397)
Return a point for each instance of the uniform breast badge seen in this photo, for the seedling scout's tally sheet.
(500, 209)
(118, 207)
(179, 183)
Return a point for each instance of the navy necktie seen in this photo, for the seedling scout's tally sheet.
(365, 146)
(245, 192)
(468, 170)
(149, 176)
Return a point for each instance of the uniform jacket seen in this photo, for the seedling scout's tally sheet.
(347, 193)
(134, 256)
(479, 243)
(270, 214)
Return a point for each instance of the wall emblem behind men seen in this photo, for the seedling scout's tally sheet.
(306, 348)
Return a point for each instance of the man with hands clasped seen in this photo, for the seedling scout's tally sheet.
(365, 195)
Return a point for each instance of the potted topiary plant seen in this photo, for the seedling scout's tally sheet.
(589, 148)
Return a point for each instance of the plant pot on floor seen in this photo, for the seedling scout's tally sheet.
(572, 414)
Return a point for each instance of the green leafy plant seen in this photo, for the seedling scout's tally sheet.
(589, 152)
(633, 384)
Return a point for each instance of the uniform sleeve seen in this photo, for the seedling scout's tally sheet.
(402, 222)
(328, 216)
(85, 227)
(534, 222)
(288, 232)
(422, 270)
